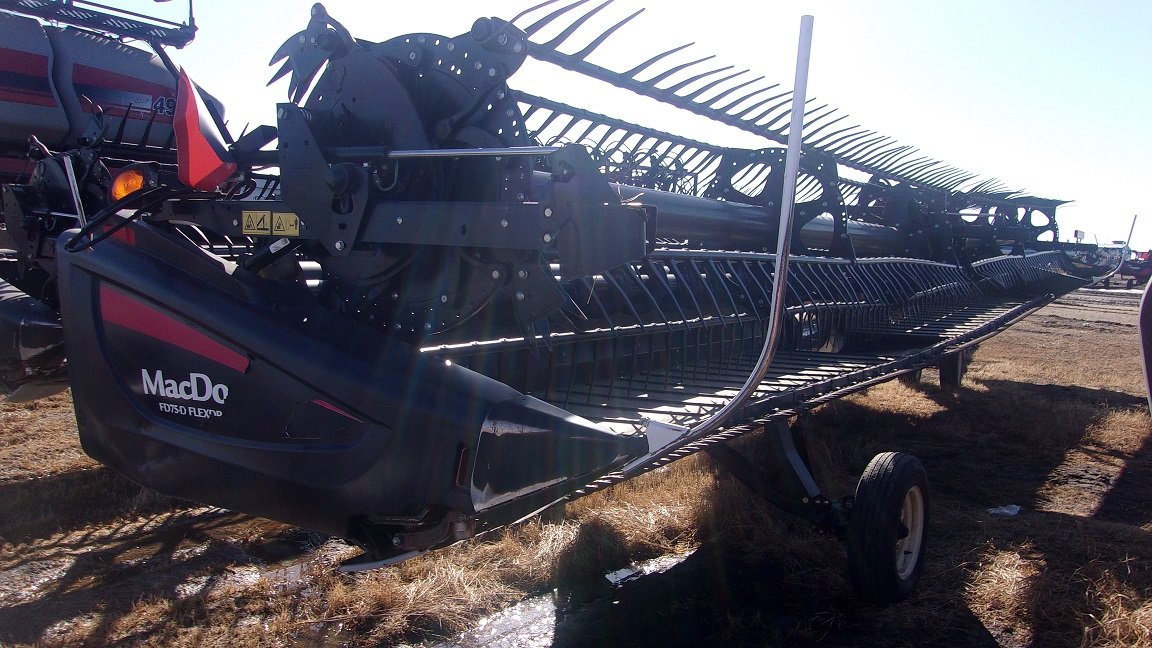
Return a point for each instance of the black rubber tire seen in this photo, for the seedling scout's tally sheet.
(885, 557)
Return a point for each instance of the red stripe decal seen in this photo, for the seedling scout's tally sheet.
(28, 97)
(122, 310)
(332, 408)
(24, 62)
(16, 166)
(88, 75)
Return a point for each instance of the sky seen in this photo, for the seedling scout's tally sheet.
(1049, 96)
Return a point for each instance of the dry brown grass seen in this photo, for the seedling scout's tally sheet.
(1069, 441)
(1002, 588)
(39, 439)
(1126, 614)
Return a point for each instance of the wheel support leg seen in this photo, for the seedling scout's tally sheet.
(952, 368)
(786, 482)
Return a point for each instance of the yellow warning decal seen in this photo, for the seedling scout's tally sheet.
(285, 224)
(257, 222)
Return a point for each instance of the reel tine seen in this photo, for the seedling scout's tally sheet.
(890, 162)
(546, 20)
(596, 42)
(736, 102)
(673, 70)
(785, 115)
(883, 157)
(809, 123)
(720, 97)
(743, 116)
(871, 148)
(631, 74)
(852, 135)
(851, 151)
(712, 84)
(907, 167)
(119, 137)
(692, 79)
(568, 31)
(939, 174)
(807, 113)
(905, 163)
(957, 176)
(955, 183)
(532, 9)
(819, 143)
(921, 171)
(840, 149)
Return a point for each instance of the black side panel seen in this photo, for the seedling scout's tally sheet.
(187, 381)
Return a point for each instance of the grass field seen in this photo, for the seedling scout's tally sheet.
(1052, 418)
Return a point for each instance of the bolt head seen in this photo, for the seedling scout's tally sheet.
(339, 245)
(547, 237)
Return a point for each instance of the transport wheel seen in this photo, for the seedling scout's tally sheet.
(886, 528)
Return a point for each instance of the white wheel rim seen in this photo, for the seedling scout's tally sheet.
(912, 519)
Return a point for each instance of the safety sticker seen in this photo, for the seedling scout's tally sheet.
(257, 222)
(285, 224)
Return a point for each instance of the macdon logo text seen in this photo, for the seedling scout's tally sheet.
(198, 387)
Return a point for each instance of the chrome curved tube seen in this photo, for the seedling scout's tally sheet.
(783, 243)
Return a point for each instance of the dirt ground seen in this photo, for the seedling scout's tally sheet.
(1052, 418)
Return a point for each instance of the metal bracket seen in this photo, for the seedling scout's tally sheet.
(661, 436)
(787, 481)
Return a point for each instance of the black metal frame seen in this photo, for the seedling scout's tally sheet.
(498, 317)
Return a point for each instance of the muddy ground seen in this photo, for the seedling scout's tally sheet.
(1052, 418)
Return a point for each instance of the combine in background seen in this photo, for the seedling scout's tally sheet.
(69, 76)
(72, 79)
(466, 302)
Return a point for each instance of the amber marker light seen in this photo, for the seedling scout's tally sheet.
(127, 182)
